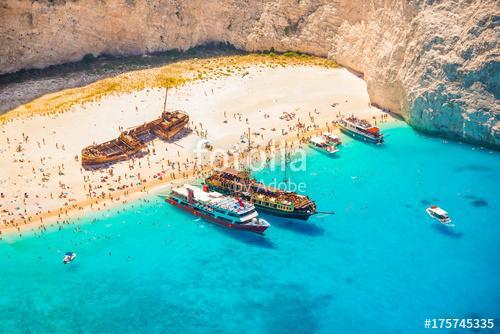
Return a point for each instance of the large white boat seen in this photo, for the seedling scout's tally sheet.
(437, 213)
(216, 208)
(360, 128)
(321, 144)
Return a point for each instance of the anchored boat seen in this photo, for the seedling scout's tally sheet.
(321, 144)
(226, 211)
(69, 257)
(266, 199)
(360, 128)
(332, 138)
(437, 213)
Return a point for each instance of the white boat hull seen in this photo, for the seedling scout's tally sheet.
(446, 222)
(319, 149)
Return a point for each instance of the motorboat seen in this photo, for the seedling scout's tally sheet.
(437, 213)
(320, 144)
(332, 138)
(69, 257)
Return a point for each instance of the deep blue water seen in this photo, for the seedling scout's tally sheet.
(379, 265)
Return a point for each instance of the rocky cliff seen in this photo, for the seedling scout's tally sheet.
(436, 63)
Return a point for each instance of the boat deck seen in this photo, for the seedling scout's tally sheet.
(268, 194)
(133, 140)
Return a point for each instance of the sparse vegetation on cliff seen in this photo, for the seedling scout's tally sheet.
(170, 75)
(88, 58)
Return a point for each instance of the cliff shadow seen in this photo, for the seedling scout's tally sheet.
(26, 85)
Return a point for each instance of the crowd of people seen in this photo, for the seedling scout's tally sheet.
(42, 186)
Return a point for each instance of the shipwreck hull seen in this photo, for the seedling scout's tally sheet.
(133, 141)
(96, 161)
(167, 133)
(111, 152)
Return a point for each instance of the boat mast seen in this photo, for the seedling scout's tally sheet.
(284, 170)
(165, 102)
(248, 150)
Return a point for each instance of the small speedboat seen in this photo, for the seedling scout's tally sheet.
(437, 213)
(320, 144)
(68, 257)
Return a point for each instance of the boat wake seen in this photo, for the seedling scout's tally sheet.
(445, 230)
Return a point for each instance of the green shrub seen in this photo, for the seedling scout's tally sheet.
(88, 58)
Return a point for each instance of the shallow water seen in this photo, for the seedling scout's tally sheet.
(379, 265)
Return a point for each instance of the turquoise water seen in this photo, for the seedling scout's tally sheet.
(379, 265)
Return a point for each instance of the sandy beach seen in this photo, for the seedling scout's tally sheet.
(43, 182)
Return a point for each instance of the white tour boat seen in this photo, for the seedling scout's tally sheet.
(320, 144)
(227, 211)
(360, 128)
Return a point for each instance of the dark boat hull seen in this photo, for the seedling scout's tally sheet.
(220, 222)
(289, 215)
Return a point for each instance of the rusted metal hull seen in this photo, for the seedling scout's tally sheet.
(132, 142)
(167, 130)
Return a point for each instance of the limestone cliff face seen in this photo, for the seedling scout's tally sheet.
(436, 63)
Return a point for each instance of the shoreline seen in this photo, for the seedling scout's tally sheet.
(46, 185)
(80, 209)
